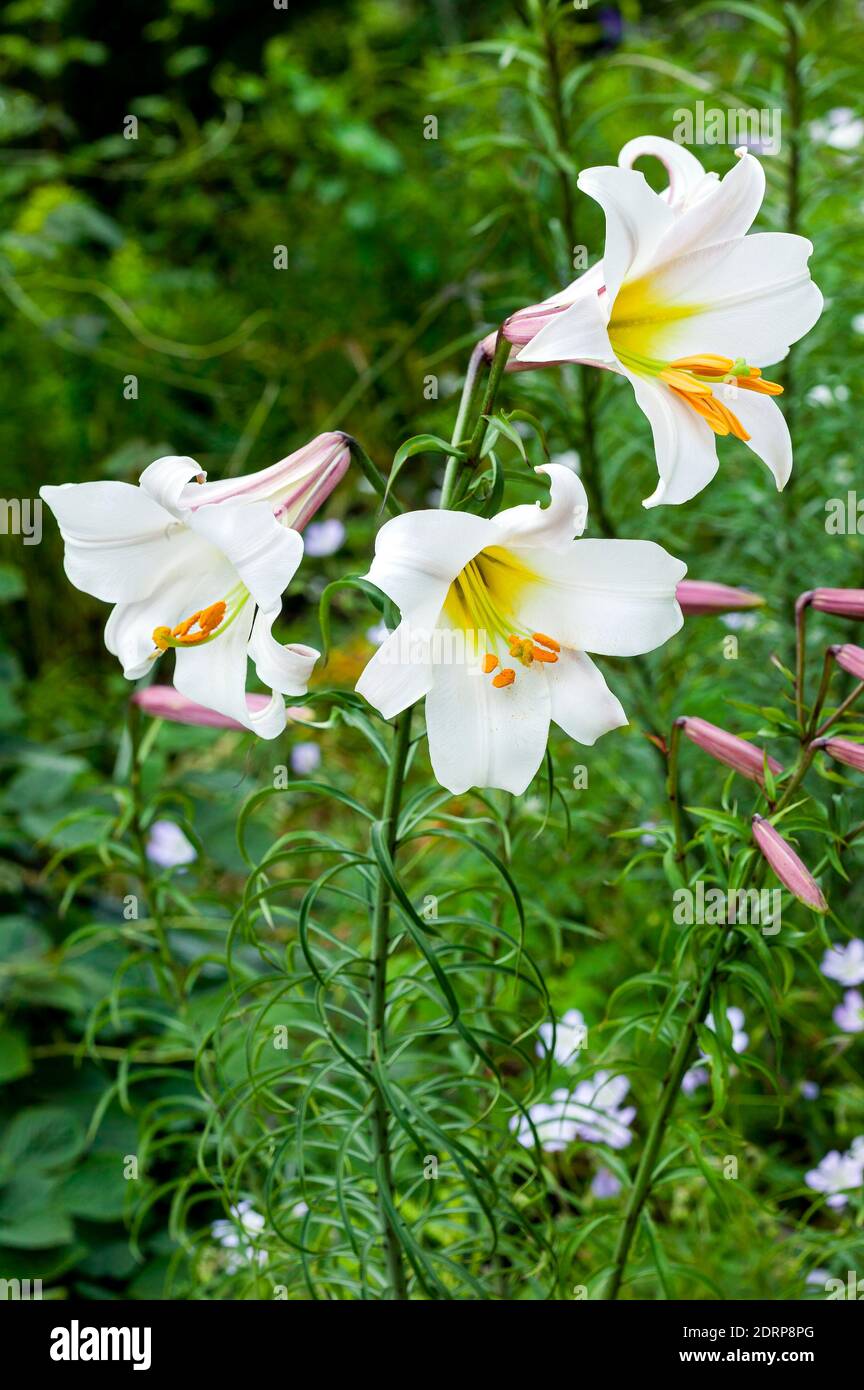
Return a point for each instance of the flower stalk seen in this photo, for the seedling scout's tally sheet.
(376, 1032)
(680, 1061)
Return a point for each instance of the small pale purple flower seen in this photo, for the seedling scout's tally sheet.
(605, 1184)
(305, 758)
(322, 538)
(168, 847)
(837, 1175)
(693, 1079)
(810, 1090)
(592, 1112)
(849, 1016)
(845, 964)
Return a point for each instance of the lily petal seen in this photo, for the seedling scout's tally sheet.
(165, 478)
(615, 598)
(398, 675)
(265, 555)
(194, 577)
(419, 554)
(686, 174)
(115, 538)
(683, 443)
(769, 439)
(728, 211)
(553, 526)
(636, 221)
(215, 675)
(483, 737)
(751, 298)
(283, 668)
(582, 703)
(573, 333)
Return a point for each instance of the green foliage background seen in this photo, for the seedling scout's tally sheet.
(154, 258)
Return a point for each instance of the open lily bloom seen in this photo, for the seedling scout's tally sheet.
(688, 182)
(200, 568)
(497, 617)
(690, 310)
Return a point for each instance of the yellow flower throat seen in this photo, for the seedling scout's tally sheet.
(481, 602)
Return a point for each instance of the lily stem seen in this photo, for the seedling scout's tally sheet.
(460, 469)
(671, 1089)
(376, 1033)
(165, 967)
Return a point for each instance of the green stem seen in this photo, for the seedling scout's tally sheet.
(457, 477)
(373, 475)
(671, 1089)
(376, 1033)
(673, 792)
(801, 605)
(166, 969)
(840, 710)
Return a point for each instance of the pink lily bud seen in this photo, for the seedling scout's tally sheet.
(790, 870)
(735, 752)
(700, 596)
(845, 603)
(164, 702)
(843, 750)
(850, 658)
(295, 487)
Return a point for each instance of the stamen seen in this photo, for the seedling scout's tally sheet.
(504, 678)
(489, 663)
(547, 641)
(207, 620)
(541, 654)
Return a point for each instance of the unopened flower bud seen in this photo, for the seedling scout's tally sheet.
(735, 752)
(790, 870)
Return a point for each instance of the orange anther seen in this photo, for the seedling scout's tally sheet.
(505, 677)
(161, 637)
(546, 641)
(212, 616)
(541, 654)
(489, 663)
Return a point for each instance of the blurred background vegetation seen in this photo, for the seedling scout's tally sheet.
(257, 128)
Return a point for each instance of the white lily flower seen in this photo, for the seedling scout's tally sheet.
(689, 310)
(201, 567)
(688, 182)
(497, 617)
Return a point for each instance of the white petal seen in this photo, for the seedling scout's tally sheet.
(726, 213)
(554, 525)
(114, 535)
(578, 333)
(749, 298)
(419, 554)
(686, 174)
(215, 675)
(264, 554)
(636, 221)
(165, 479)
(765, 423)
(195, 577)
(582, 703)
(483, 737)
(616, 598)
(283, 668)
(684, 444)
(398, 674)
